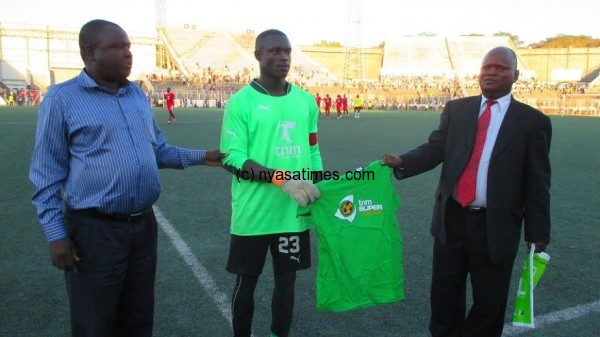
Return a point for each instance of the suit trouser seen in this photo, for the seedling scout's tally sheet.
(465, 253)
(112, 292)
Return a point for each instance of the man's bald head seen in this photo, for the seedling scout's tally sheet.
(498, 72)
(90, 32)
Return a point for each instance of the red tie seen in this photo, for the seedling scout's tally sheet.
(465, 190)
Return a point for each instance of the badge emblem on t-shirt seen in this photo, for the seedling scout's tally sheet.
(346, 210)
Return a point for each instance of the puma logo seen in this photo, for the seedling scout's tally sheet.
(295, 258)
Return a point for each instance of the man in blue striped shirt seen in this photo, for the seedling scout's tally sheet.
(98, 150)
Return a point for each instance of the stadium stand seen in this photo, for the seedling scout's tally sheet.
(198, 50)
(466, 52)
(205, 67)
(416, 55)
(305, 70)
(246, 40)
(595, 84)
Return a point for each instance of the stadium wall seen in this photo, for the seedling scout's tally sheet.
(334, 59)
(548, 64)
(42, 55)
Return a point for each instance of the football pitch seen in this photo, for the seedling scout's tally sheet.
(193, 289)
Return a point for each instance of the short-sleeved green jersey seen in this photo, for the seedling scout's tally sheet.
(274, 132)
(358, 242)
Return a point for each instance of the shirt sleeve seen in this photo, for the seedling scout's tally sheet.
(49, 167)
(234, 135)
(538, 181)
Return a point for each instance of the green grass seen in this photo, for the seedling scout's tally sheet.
(197, 203)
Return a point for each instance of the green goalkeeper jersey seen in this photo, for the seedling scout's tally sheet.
(358, 241)
(274, 132)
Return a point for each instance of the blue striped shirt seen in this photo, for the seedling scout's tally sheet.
(98, 149)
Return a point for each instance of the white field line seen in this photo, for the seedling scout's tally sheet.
(222, 301)
(549, 319)
(206, 281)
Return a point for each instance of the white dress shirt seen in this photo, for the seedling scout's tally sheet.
(498, 112)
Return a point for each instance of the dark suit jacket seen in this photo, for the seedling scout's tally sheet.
(518, 176)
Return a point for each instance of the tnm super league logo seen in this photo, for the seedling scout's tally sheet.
(346, 210)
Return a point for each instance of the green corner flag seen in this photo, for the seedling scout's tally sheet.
(533, 269)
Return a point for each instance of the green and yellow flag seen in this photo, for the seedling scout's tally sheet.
(533, 269)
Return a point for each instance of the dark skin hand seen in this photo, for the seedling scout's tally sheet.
(63, 255)
(214, 158)
(391, 160)
(539, 246)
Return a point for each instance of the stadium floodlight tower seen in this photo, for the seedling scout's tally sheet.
(353, 60)
(161, 14)
(160, 6)
(166, 56)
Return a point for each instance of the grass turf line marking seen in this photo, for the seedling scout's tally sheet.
(202, 275)
(554, 317)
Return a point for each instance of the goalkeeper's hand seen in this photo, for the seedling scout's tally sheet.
(303, 191)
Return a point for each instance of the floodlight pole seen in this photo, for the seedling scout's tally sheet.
(353, 59)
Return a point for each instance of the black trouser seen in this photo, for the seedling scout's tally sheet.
(112, 292)
(282, 304)
(466, 253)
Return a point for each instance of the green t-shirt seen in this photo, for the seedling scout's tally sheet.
(274, 132)
(358, 242)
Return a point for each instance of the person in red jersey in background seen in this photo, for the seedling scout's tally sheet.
(170, 102)
(345, 105)
(338, 106)
(327, 100)
(318, 101)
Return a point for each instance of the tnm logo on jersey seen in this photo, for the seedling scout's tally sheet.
(346, 210)
(287, 131)
(367, 207)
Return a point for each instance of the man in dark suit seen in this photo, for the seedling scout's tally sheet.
(495, 174)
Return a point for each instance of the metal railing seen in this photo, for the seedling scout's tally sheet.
(567, 105)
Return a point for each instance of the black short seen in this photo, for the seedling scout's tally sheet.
(290, 252)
